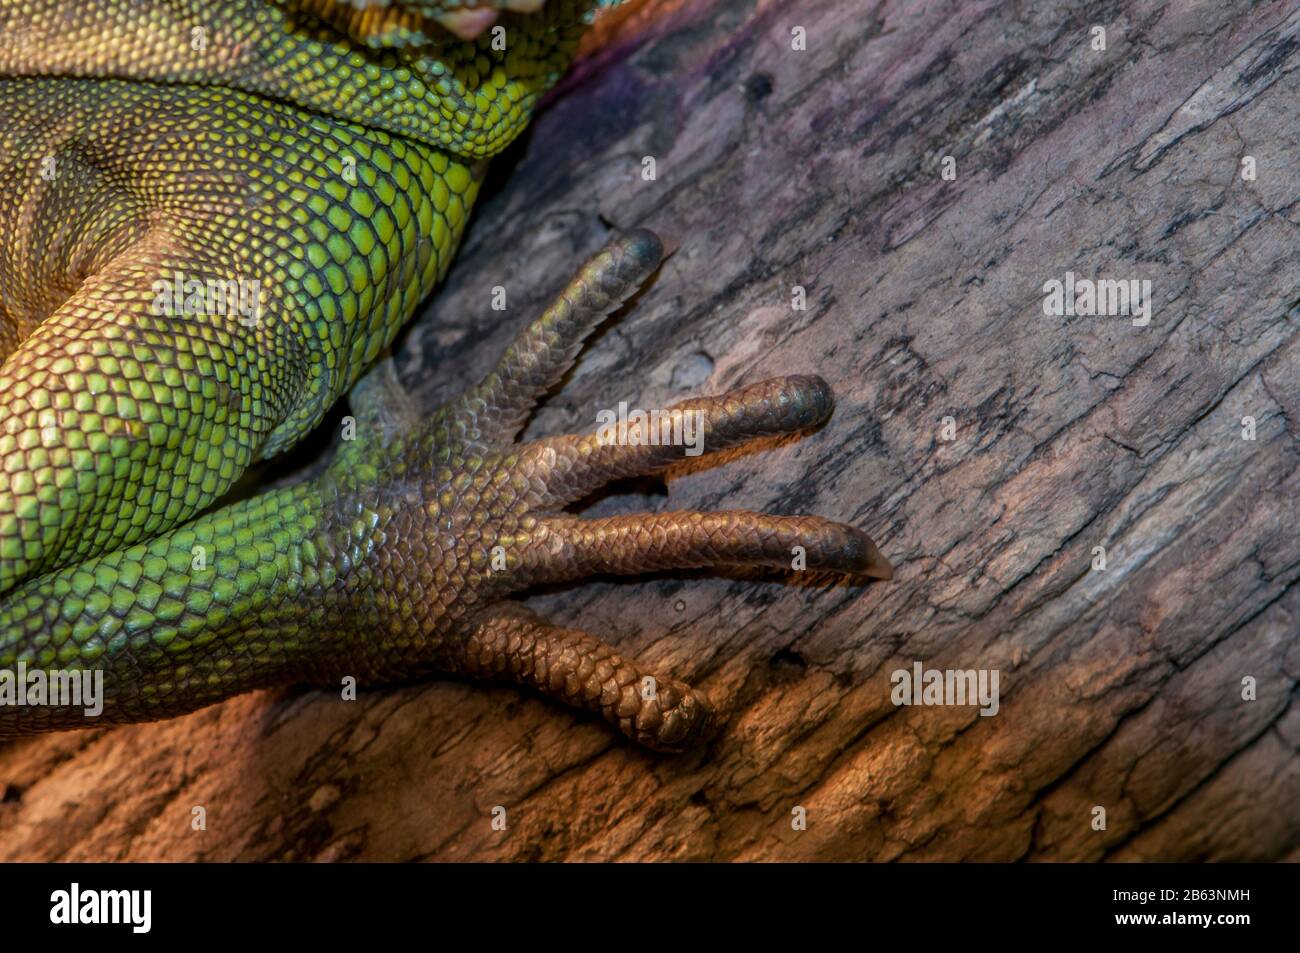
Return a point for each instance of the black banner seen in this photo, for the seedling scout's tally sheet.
(908, 904)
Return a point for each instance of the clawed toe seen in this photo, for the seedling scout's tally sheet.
(509, 499)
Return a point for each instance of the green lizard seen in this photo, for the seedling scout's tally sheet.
(311, 164)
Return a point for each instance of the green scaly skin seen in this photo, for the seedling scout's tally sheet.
(332, 159)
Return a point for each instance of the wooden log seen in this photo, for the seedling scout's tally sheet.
(990, 448)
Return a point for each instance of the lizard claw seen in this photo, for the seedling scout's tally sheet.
(493, 515)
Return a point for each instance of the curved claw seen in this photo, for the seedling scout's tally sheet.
(565, 548)
(581, 464)
(495, 410)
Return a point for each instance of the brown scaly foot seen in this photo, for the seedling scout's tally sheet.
(401, 556)
(525, 487)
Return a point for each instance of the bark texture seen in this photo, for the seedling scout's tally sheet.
(1121, 688)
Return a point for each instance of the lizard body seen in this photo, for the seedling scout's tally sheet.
(328, 158)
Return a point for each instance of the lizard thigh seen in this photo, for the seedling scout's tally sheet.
(131, 407)
(190, 276)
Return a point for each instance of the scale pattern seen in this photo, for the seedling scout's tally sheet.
(471, 98)
(126, 413)
(138, 395)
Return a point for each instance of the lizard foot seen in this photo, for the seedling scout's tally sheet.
(403, 554)
(494, 522)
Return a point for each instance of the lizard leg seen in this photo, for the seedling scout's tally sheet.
(122, 418)
(575, 668)
(385, 565)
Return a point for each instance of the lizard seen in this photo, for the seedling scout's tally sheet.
(328, 155)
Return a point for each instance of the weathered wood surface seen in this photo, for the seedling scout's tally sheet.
(1121, 688)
